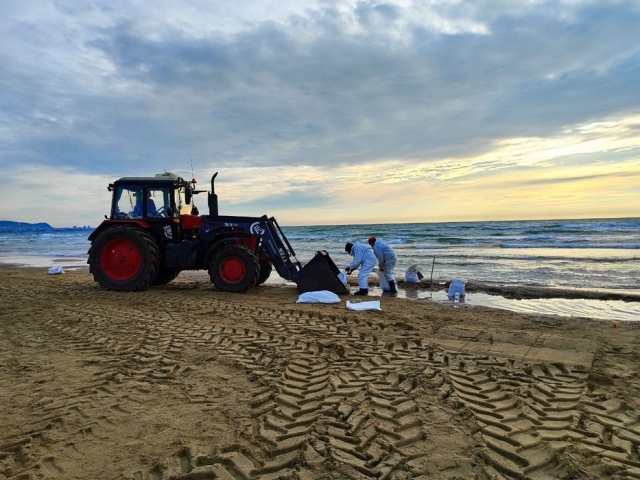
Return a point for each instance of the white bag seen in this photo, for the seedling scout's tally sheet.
(374, 305)
(342, 276)
(56, 270)
(456, 286)
(320, 296)
(413, 275)
(384, 284)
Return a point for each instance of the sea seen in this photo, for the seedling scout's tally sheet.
(593, 254)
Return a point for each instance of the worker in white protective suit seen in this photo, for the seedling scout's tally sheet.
(386, 261)
(363, 259)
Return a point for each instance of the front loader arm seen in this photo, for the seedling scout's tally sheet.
(278, 248)
(318, 274)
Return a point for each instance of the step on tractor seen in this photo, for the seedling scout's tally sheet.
(155, 231)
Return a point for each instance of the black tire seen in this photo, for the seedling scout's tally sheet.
(265, 270)
(234, 269)
(166, 275)
(124, 259)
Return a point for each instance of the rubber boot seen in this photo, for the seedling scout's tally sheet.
(362, 291)
(392, 287)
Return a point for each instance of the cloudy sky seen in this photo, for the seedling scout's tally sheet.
(325, 112)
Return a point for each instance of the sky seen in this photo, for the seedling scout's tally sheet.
(324, 112)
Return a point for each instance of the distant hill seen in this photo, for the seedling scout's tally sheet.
(8, 226)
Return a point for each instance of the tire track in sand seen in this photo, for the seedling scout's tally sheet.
(528, 414)
(327, 396)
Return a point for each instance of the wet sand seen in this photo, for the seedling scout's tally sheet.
(410, 290)
(183, 382)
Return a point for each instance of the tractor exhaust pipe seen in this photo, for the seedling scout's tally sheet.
(212, 199)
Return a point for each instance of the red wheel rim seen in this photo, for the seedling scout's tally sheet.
(120, 259)
(232, 269)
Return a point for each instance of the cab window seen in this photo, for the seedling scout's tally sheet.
(158, 202)
(128, 202)
(181, 201)
(133, 202)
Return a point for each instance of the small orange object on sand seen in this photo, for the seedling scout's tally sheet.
(614, 324)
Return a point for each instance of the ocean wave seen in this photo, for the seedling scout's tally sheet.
(513, 257)
(457, 240)
(398, 241)
(604, 225)
(598, 246)
(538, 237)
(307, 238)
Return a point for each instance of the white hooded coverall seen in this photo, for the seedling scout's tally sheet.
(386, 259)
(364, 259)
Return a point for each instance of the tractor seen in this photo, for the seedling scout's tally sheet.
(155, 231)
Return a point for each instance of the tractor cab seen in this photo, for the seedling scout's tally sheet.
(160, 198)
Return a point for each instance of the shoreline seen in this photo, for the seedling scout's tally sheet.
(512, 292)
(518, 292)
(606, 306)
(42, 262)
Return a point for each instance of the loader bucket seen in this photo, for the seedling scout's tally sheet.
(320, 274)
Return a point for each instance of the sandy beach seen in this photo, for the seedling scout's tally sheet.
(183, 382)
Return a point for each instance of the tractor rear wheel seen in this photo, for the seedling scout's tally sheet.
(265, 270)
(166, 275)
(124, 259)
(234, 269)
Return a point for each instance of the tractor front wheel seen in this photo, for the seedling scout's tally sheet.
(124, 259)
(234, 269)
(265, 270)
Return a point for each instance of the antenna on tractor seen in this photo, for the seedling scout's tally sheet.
(193, 178)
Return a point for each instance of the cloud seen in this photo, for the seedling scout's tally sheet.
(358, 93)
(547, 175)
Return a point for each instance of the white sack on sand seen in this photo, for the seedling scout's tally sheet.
(320, 296)
(373, 305)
